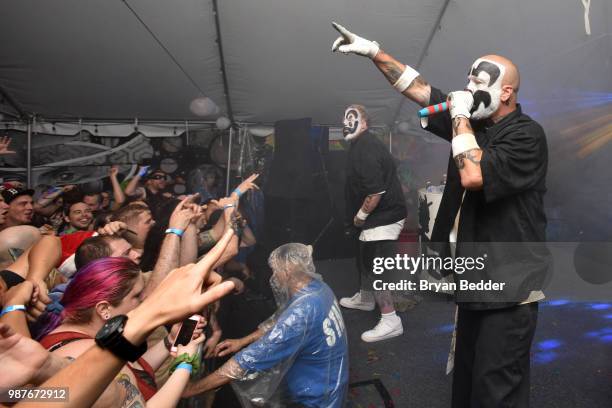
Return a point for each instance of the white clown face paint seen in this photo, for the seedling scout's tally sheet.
(353, 124)
(485, 83)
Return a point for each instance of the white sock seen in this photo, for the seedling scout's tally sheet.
(391, 316)
(366, 296)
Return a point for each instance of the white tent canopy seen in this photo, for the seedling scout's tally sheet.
(149, 59)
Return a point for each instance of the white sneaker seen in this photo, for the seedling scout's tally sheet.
(355, 302)
(386, 328)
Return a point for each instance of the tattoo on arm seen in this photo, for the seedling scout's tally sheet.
(461, 125)
(392, 70)
(370, 203)
(130, 395)
(469, 155)
(419, 91)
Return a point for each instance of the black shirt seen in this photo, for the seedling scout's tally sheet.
(505, 219)
(371, 170)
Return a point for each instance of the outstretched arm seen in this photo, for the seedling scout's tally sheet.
(403, 77)
(417, 90)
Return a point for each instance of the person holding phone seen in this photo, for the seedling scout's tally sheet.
(101, 290)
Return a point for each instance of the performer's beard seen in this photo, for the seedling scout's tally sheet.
(485, 83)
(353, 124)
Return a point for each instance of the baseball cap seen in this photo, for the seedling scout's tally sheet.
(9, 193)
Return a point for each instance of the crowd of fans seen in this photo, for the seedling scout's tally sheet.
(73, 261)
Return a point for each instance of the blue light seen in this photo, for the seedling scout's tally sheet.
(549, 344)
(448, 328)
(608, 316)
(558, 302)
(600, 306)
(545, 357)
(606, 339)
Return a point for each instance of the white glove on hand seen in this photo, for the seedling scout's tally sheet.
(350, 43)
(461, 103)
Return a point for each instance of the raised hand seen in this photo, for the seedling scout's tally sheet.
(183, 213)
(350, 43)
(248, 184)
(460, 103)
(5, 142)
(113, 171)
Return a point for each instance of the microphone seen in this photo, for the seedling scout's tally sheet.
(433, 110)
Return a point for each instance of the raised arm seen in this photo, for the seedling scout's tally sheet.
(169, 254)
(179, 295)
(118, 195)
(131, 187)
(402, 77)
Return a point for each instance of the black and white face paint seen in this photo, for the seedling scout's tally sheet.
(353, 124)
(485, 83)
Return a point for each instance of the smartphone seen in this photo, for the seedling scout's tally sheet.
(185, 332)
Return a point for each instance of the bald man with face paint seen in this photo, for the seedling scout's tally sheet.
(493, 205)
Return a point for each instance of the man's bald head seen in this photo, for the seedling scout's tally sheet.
(511, 76)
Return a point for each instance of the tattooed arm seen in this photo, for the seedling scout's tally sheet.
(418, 91)
(369, 204)
(467, 162)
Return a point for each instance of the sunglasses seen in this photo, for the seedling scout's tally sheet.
(158, 177)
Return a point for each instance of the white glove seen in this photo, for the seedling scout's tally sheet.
(461, 103)
(350, 43)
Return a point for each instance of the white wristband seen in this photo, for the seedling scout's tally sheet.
(405, 79)
(464, 142)
(362, 215)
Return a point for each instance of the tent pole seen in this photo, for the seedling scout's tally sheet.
(229, 161)
(432, 33)
(29, 151)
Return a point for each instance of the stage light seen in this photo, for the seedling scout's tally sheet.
(600, 306)
(545, 357)
(558, 302)
(549, 344)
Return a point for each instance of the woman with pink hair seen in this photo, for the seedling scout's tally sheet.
(102, 289)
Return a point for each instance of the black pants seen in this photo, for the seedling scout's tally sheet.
(492, 357)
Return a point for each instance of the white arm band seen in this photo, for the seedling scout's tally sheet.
(404, 81)
(464, 142)
(362, 215)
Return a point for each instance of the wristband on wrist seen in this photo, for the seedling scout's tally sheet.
(404, 81)
(176, 231)
(194, 361)
(226, 206)
(464, 142)
(238, 192)
(12, 308)
(185, 366)
(362, 215)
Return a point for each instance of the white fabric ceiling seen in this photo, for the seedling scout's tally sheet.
(96, 59)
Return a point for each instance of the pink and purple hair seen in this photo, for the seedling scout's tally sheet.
(106, 279)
